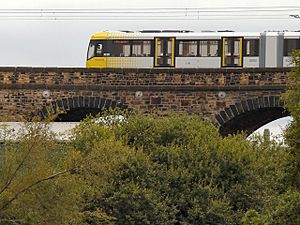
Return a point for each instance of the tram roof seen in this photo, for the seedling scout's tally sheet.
(110, 35)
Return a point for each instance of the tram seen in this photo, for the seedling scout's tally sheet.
(186, 49)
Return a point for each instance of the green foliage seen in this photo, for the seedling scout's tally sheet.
(292, 99)
(101, 155)
(145, 170)
(36, 184)
(181, 171)
(252, 218)
(284, 209)
(141, 131)
(292, 96)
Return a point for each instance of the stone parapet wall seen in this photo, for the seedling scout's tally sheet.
(129, 77)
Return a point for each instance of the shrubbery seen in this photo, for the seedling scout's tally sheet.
(150, 170)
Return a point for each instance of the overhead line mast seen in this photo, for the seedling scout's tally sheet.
(295, 16)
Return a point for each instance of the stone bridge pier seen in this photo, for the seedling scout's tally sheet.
(234, 99)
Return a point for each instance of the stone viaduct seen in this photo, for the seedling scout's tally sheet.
(234, 99)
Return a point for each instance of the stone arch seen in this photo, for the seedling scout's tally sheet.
(250, 114)
(87, 103)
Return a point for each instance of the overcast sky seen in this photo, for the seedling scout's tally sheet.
(64, 43)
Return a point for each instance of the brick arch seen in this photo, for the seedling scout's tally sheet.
(250, 114)
(79, 102)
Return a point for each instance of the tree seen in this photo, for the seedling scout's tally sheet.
(37, 180)
(101, 155)
(181, 171)
(144, 170)
(44, 180)
(292, 99)
(252, 217)
(284, 207)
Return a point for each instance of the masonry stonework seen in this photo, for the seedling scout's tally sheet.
(221, 95)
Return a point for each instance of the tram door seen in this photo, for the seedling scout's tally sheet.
(164, 52)
(232, 53)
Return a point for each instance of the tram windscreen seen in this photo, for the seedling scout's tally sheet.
(91, 50)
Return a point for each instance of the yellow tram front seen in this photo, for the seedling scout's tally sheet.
(120, 50)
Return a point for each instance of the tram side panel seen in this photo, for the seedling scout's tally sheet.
(273, 50)
(198, 62)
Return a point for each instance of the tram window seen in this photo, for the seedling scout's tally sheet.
(213, 47)
(147, 48)
(208, 48)
(141, 48)
(290, 45)
(91, 51)
(251, 47)
(203, 48)
(137, 48)
(169, 49)
(120, 48)
(187, 48)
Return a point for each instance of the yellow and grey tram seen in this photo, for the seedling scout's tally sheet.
(186, 49)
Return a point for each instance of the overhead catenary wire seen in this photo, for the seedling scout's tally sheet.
(150, 10)
(142, 16)
(208, 13)
(142, 19)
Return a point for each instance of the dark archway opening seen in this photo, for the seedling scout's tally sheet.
(77, 108)
(76, 114)
(252, 120)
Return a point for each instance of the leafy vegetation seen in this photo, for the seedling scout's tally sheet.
(150, 170)
(147, 170)
(38, 183)
(292, 98)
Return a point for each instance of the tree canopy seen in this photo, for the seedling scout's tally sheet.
(175, 169)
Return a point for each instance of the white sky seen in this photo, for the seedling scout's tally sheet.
(64, 43)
